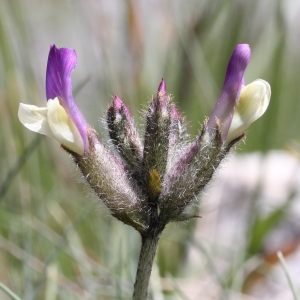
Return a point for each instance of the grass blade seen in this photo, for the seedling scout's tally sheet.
(287, 274)
(9, 292)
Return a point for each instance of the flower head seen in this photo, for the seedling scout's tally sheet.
(61, 119)
(154, 180)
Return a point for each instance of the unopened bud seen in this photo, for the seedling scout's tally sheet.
(190, 172)
(124, 134)
(157, 133)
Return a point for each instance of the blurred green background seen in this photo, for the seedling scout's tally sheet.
(56, 240)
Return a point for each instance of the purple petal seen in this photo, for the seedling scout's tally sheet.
(234, 79)
(61, 62)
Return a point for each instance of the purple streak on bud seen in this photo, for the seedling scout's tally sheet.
(175, 130)
(162, 87)
(175, 113)
(224, 109)
(61, 62)
(174, 135)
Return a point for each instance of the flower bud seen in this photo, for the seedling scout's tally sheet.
(124, 134)
(156, 143)
(190, 173)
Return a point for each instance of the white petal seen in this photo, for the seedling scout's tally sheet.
(252, 104)
(34, 118)
(63, 128)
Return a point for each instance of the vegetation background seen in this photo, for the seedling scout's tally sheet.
(57, 241)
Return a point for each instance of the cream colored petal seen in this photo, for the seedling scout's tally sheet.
(34, 118)
(63, 128)
(252, 104)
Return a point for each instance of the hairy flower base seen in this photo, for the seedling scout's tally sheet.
(54, 122)
(197, 163)
(112, 183)
(131, 200)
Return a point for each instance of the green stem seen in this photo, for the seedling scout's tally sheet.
(147, 254)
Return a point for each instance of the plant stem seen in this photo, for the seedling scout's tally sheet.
(147, 254)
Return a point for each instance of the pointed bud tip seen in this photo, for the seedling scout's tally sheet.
(118, 105)
(162, 87)
(117, 102)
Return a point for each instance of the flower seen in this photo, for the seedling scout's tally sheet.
(123, 132)
(61, 119)
(238, 105)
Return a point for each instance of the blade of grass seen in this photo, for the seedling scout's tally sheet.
(287, 274)
(19, 164)
(66, 284)
(9, 292)
(118, 280)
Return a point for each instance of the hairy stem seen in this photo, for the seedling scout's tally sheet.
(147, 254)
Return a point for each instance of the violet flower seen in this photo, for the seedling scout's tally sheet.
(61, 119)
(238, 106)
